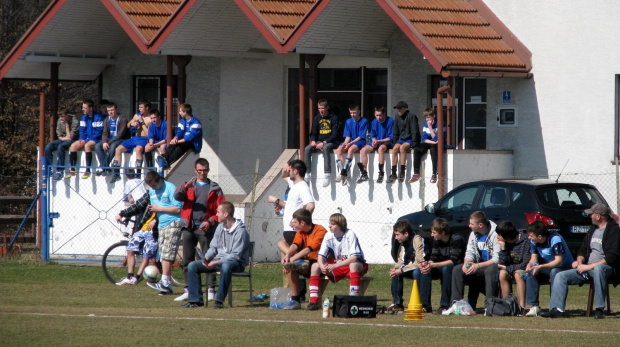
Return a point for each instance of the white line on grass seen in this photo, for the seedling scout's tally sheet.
(331, 322)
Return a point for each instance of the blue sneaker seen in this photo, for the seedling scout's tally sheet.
(59, 175)
(163, 290)
(293, 305)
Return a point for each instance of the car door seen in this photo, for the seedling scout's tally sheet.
(494, 202)
(457, 206)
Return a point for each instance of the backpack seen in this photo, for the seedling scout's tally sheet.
(509, 306)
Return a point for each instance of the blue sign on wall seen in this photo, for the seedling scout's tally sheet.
(506, 96)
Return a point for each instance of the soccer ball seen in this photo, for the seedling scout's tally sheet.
(151, 274)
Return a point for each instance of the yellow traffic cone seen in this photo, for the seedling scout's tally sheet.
(414, 310)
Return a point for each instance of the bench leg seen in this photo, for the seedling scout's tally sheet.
(322, 286)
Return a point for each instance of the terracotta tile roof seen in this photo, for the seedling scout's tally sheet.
(283, 15)
(282, 22)
(148, 22)
(460, 34)
(149, 16)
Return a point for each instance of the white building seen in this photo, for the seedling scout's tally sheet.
(536, 78)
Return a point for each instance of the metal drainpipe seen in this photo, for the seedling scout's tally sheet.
(440, 140)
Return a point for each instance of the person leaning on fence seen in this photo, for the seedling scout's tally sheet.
(188, 136)
(323, 137)
(115, 131)
(340, 256)
(480, 265)
(598, 259)
(549, 254)
(91, 128)
(448, 250)
(168, 210)
(382, 139)
(299, 196)
(514, 256)
(67, 130)
(134, 187)
(143, 240)
(413, 252)
(406, 137)
(228, 252)
(302, 254)
(139, 126)
(201, 198)
(355, 129)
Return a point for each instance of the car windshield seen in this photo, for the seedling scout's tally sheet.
(568, 197)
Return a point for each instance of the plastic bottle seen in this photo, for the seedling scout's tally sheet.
(529, 273)
(326, 308)
(368, 139)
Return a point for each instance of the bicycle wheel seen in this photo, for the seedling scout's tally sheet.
(114, 261)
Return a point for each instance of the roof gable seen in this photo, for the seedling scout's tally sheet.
(459, 35)
(282, 22)
(148, 22)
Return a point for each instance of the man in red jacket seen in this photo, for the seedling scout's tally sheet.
(200, 197)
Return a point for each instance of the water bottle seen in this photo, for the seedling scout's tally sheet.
(326, 308)
(529, 273)
(368, 139)
(585, 276)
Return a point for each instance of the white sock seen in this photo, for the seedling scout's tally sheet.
(165, 280)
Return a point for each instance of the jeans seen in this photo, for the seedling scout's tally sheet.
(532, 283)
(106, 158)
(194, 281)
(191, 238)
(486, 277)
(599, 275)
(445, 276)
(327, 159)
(61, 147)
(424, 283)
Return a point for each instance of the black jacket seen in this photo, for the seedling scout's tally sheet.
(611, 247)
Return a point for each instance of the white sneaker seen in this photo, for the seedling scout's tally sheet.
(182, 297)
(308, 177)
(326, 180)
(211, 294)
(533, 312)
(127, 281)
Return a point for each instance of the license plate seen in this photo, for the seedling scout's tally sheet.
(579, 229)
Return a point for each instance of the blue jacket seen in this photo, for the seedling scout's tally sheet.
(426, 133)
(191, 131)
(91, 128)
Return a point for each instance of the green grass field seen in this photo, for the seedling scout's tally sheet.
(52, 304)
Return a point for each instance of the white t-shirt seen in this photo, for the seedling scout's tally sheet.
(135, 187)
(342, 248)
(298, 197)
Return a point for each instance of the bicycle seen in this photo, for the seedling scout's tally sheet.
(114, 260)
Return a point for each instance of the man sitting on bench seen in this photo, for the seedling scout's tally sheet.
(340, 256)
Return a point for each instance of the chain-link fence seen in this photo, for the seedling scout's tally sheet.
(82, 211)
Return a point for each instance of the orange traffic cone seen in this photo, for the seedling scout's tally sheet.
(414, 310)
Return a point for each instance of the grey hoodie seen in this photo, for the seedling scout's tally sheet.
(493, 246)
(233, 244)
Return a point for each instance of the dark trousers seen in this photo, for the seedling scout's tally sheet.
(192, 237)
(174, 152)
(419, 150)
(483, 278)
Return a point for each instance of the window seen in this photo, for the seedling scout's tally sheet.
(566, 197)
(341, 88)
(475, 113)
(461, 200)
(153, 89)
(493, 197)
(506, 116)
